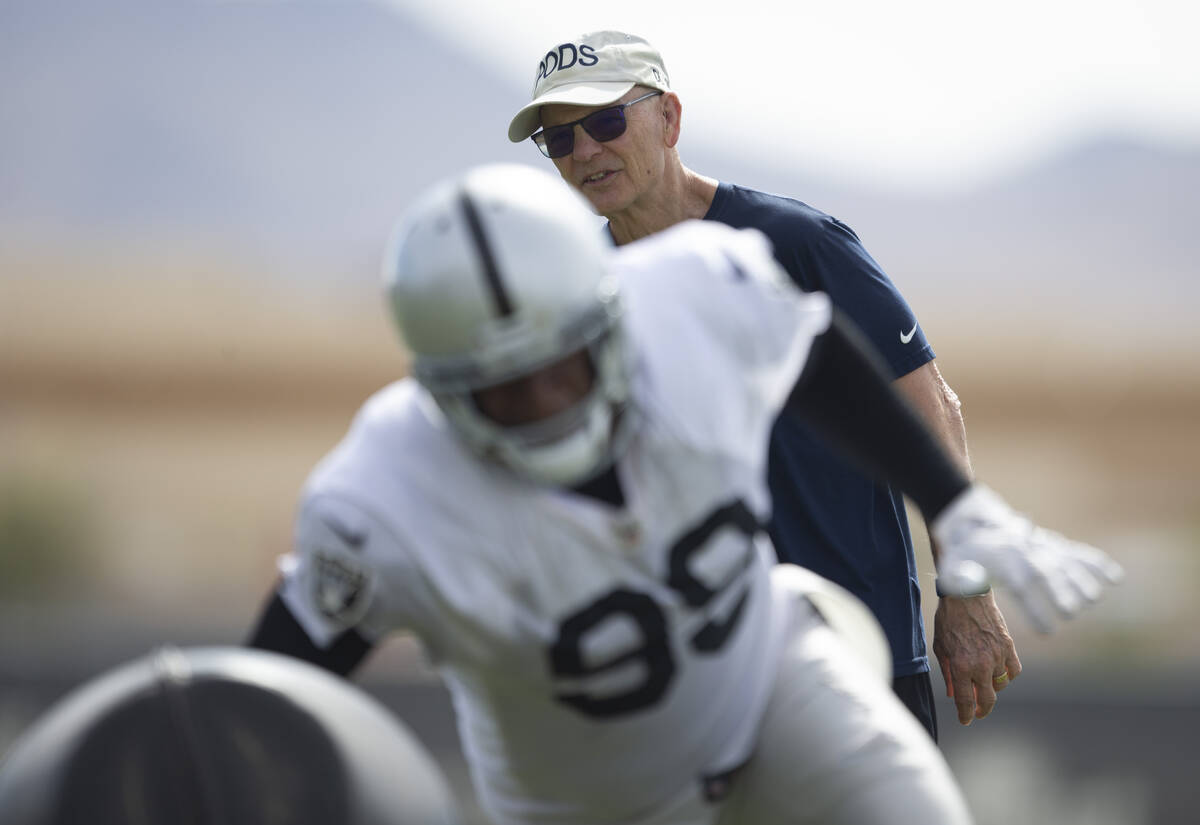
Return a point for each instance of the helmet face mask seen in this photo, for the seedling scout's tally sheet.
(567, 447)
(498, 275)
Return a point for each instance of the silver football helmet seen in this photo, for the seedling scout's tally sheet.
(492, 276)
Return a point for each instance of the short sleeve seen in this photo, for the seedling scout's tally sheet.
(834, 261)
(331, 579)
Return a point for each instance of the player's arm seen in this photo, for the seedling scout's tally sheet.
(327, 590)
(280, 631)
(844, 392)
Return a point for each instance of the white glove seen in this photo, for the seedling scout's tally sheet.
(984, 542)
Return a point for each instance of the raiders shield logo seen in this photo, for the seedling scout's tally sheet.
(340, 588)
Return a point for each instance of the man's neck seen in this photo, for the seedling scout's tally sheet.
(683, 196)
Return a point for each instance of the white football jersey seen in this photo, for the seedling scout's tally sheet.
(600, 658)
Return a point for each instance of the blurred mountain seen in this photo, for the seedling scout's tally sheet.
(292, 132)
(1103, 223)
(289, 135)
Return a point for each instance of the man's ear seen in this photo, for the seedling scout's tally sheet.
(672, 111)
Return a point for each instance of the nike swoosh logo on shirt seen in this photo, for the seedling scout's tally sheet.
(905, 337)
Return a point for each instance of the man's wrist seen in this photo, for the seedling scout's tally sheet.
(937, 586)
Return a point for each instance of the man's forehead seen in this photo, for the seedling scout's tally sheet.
(552, 114)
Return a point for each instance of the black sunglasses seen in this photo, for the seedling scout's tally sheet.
(603, 125)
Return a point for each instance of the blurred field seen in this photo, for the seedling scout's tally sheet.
(175, 422)
(165, 426)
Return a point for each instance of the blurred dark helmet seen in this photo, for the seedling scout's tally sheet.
(220, 736)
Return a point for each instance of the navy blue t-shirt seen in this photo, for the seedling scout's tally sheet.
(828, 516)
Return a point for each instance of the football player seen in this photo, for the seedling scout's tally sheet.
(566, 501)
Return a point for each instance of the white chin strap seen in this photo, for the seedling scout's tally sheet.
(566, 461)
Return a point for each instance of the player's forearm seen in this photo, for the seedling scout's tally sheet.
(846, 396)
(279, 631)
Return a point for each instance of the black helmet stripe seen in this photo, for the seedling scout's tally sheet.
(491, 272)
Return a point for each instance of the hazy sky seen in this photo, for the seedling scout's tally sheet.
(925, 93)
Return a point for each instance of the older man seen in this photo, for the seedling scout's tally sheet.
(604, 112)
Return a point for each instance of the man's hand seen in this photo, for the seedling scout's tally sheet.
(976, 653)
(983, 541)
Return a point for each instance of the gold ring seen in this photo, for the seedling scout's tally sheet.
(1001, 679)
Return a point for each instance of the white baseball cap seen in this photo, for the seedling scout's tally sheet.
(592, 70)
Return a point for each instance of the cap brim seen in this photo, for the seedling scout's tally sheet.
(528, 120)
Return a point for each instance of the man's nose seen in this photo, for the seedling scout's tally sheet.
(550, 395)
(586, 146)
